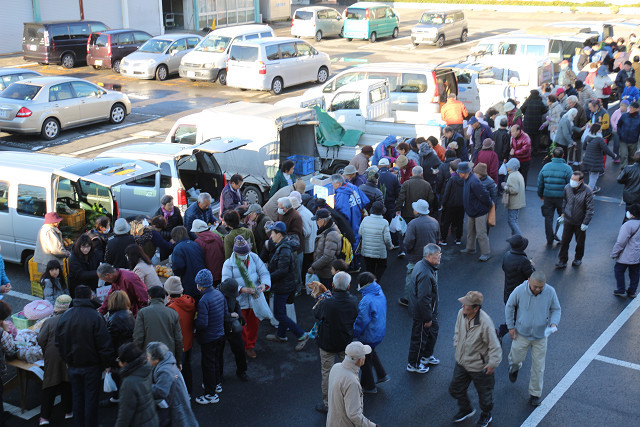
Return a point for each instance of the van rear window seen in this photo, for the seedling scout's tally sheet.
(358, 14)
(244, 53)
(303, 15)
(21, 91)
(99, 40)
(33, 34)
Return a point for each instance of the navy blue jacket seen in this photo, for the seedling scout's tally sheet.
(629, 127)
(188, 259)
(212, 310)
(194, 212)
(475, 197)
(390, 187)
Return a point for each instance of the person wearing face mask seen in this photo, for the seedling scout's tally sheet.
(83, 263)
(626, 253)
(284, 177)
(577, 211)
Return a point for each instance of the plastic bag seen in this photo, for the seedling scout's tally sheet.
(310, 278)
(398, 224)
(260, 307)
(503, 169)
(109, 385)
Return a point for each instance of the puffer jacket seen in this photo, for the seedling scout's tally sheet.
(453, 192)
(213, 251)
(629, 127)
(490, 185)
(630, 178)
(212, 310)
(328, 245)
(515, 189)
(594, 148)
(534, 110)
(627, 247)
(194, 212)
(49, 246)
(257, 270)
(230, 292)
(517, 268)
(553, 177)
(521, 147)
(423, 292)
(371, 324)
(577, 204)
(137, 407)
(599, 83)
(376, 238)
(413, 190)
(585, 94)
(372, 192)
(476, 199)
(282, 266)
(169, 386)
(478, 346)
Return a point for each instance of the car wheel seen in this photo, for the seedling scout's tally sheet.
(116, 66)
(463, 36)
(222, 77)
(318, 35)
(416, 44)
(373, 37)
(323, 75)
(96, 67)
(50, 129)
(338, 168)
(252, 194)
(68, 61)
(349, 40)
(395, 33)
(25, 263)
(162, 72)
(117, 114)
(276, 86)
(440, 41)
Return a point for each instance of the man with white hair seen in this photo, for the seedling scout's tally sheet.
(200, 209)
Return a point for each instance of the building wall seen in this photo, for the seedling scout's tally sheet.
(11, 24)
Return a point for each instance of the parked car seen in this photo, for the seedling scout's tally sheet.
(316, 21)
(47, 105)
(370, 21)
(275, 63)
(436, 28)
(208, 61)
(105, 49)
(11, 75)
(59, 42)
(159, 57)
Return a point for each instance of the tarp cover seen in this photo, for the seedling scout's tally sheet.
(331, 134)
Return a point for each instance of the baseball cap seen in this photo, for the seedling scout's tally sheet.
(472, 298)
(279, 226)
(321, 214)
(356, 350)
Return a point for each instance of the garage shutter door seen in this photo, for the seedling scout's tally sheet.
(59, 10)
(11, 24)
(95, 10)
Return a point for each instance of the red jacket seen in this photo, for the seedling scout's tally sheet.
(489, 158)
(128, 282)
(405, 172)
(213, 249)
(521, 147)
(186, 308)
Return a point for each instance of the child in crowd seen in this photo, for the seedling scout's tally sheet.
(53, 282)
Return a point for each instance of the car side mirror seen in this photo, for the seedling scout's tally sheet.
(174, 51)
(99, 94)
(173, 139)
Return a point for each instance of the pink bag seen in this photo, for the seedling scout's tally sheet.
(38, 309)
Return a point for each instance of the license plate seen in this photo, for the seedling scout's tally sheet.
(4, 114)
(33, 47)
(98, 62)
(191, 73)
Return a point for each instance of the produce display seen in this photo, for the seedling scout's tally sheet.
(164, 271)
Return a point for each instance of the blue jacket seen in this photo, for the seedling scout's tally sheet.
(622, 77)
(475, 197)
(632, 92)
(629, 127)
(553, 177)
(188, 259)
(230, 199)
(212, 310)
(3, 275)
(371, 324)
(350, 201)
(194, 212)
(390, 187)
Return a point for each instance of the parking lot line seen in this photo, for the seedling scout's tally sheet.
(618, 362)
(108, 144)
(592, 353)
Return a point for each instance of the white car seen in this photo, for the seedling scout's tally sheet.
(275, 63)
(317, 22)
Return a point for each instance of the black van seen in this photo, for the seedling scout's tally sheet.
(59, 42)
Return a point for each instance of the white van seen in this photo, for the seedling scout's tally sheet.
(32, 184)
(209, 58)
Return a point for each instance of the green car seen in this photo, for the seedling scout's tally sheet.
(370, 20)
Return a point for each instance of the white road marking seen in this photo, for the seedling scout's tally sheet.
(618, 362)
(101, 146)
(146, 134)
(592, 353)
(136, 96)
(22, 295)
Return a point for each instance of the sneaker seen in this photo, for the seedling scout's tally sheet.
(632, 294)
(383, 379)
(484, 258)
(44, 422)
(302, 341)
(513, 375)
(394, 247)
(485, 419)
(275, 338)
(404, 302)
(576, 262)
(535, 401)
(619, 293)
(68, 416)
(402, 255)
(458, 242)
(420, 369)
(463, 415)
(467, 251)
(219, 388)
(321, 407)
(442, 243)
(429, 361)
(251, 353)
(206, 399)
(561, 265)
(371, 391)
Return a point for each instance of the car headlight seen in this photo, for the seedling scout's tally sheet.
(209, 65)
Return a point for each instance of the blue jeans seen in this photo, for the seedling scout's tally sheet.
(512, 220)
(280, 312)
(634, 276)
(616, 143)
(86, 385)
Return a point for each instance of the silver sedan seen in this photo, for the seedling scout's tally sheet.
(46, 105)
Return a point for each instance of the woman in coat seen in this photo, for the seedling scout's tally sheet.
(170, 213)
(376, 240)
(137, 408)
(490, 158)
(626, 252)
(328, 244)
(595, 148)
(369, 328)
(169, 386)
(429, 161)
(283, 177)
(564, 135)
(534, 110)
(600, 84)
(120, 324)
(83, 264)
(140, 264)
(514, 194)
(49, 244)
(555, 115)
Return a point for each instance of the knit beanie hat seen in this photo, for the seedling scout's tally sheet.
(513, 164)
(241, 246)
(62, 304)
(204, 279)
(173, 285)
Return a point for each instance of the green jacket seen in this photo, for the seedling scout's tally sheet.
(158, 323)
(229, 238)
(280, 181)
(553, 177)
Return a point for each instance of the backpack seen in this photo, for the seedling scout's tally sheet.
(346, 250)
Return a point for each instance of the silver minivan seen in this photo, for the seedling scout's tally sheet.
(317, 22)
(436, 28)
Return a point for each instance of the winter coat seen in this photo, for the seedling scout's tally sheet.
(602, 117)
(309, 229)
(521, 147)
(120, 325)
(405, 172)
(282, 266)
(584, 95)
(345, 397)
(270, 208)
(553, 177)
(555, 115)
(185, 306)
(52, 289)
(212, 310)
(188, 259)
(502, 138)
(357, 180)
(478, 346)
(360, 162)
(293, 221)
(517, 268)
(389, 186)
(194, 212)
(128, 282)
(174, 220)
(158, 323)
(631, 93)
(337, 316)
(371, 324)
(258, 272)
(566, 77)
(259, 233)
(230, 293)
(168, 385)
(514, 117)
(476, 199)
(599, 83)
(99, 242)
(413, 190)
(627, 247)
(629, 128)
(82, 337)
(516, 190)
(421, 231)
(461, 152)
(116, 249)
(630, 178)
(160, 243)
(489, 158)
(4, 279)
(490, 185)
(328, 246)
(534, 111)
(479, 135)
(443, 176)
(594, 148)
(577, 204)
(376, 238)
(137, 407)
(83, 271)
(564, 134)
(532, 313)
(279, 181)
(423, 292)
(229, 199)
(147, 273)
(231, 237)
(49, 246)
(428, 160)
(453, 112)
(372, 192)
(350, 202)
(213, 252)
(621, 78)
(453, 192)
(55, 370)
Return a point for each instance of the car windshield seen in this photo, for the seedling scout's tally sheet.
(214, 44)
(432, 18)
(303, 15)
(155, 46)
(356, 13)
(21, 91)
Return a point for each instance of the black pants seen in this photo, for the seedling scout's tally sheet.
(549, 206)
(423, 340)
(210, 356)
(86, 384)
(187, 373)
(237, 348)
(49, 395)
(524, 170)
(483, 383)
(452, 217)
(371, 362)
(567, 234)
(376, 266)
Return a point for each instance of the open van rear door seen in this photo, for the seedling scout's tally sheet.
(108, 172)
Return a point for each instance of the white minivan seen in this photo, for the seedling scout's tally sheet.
(275, 63)
(208, 60)
(316, 22)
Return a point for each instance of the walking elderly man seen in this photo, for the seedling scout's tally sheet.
(552, 179)
(477, 204)
(478, 354)
(423, 307)
(532, 314)
(577, 211)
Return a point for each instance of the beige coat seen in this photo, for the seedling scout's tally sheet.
(515, 189)
(147, 273)
(49, 246)
(478, 346)
(345, 396)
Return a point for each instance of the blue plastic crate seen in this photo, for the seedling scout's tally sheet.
(304, 165)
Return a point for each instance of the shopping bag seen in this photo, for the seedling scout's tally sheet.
(398, 224)
(260, 307)
(491, 216)
(109, 384)
(559, 229)
(503, 169)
